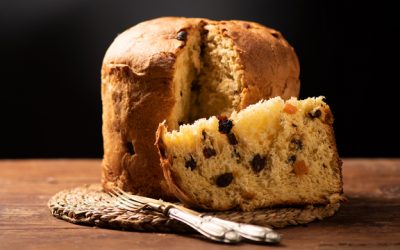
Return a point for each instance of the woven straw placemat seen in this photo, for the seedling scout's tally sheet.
(83, 205)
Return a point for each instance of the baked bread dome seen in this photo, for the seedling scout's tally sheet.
(178, 70)
(271, 153)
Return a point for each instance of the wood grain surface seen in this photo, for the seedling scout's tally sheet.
(370, 219)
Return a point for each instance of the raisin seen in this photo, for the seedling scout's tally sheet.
(315, 114)
(180, 93)
(225, 126)
(209, 152)
(182, 35)
(181, 123)
(296, 144)
(191, 163)
(300, 168)
(258, 163)
(291, 159)
(232, 139)
(131, 149)
(224, 180)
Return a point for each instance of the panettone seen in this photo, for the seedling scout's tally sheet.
(179, 70)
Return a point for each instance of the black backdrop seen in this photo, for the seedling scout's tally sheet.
(51, 53)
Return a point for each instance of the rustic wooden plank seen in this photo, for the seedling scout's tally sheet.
(372, 177)
(371, 218)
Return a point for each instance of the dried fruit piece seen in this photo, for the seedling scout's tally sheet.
(290, 109)
(224, 125)
(291, 159)
(315, 114)
(300, 168)
(258, 163)
(209, 152)
(232, 139)
(248, 195)
(182, 35)
(191, 163)
(296, 144)
(224, 180)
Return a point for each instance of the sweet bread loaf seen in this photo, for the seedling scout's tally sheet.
(179, 70)
(271, 153)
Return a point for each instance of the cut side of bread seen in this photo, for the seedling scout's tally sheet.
(210, 76)
(274, 152)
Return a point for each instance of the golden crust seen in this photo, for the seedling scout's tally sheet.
(122, 102)
(338, 161)
(137, 91)
(137, 94)
(271, 67)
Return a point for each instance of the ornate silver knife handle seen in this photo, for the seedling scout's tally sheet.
(248, 231)
(204, 226)
(209, 226)
(223, 230)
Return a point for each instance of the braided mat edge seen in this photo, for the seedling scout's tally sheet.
(85, 205)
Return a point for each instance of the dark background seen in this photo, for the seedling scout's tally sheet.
(51, 54)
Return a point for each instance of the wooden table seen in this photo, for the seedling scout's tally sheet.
(371, 218)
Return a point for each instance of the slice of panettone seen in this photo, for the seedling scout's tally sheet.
(271, 153)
